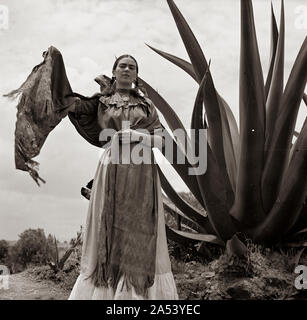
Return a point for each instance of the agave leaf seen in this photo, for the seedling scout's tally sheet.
(247, 207)
(173, 210)
(170, 116)
(300, 226)
(301, 232)
(184, 65)
(235, 246)
(295, 133)
(182, 169)
(291, 151)
(276, 89)
(231, 141)
(215, 198)
(56, 260)
(274, 40)
(277, 158)
(181, 146)
(193, 48)
(229, 125)
(291, 197)
(218, 121)
(208, 95)
(229, 118)
(197, 216)
(217, 195)
(187, 237)
(197, 121)
(200, 67)
(293, 147)
(296, 244)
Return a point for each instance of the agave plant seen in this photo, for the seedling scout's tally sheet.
(255, 183)
(58, 264)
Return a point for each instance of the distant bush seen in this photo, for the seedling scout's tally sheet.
(4, 251)
(66, 277)
(32, 248)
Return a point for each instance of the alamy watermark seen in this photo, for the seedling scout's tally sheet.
(4, 277)
(4, 17)
(301, 17)
(191, 151)
(301, 280)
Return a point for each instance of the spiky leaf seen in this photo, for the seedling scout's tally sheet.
(276, 89)
(184, 65)
(248, 207)
(182, 169)
(187, 237)
(274, 40)
(216, 196)
(291, 198)
(182, 205)
(173, 210)
(277, 158)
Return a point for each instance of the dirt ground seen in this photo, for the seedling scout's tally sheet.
(23, 287)
(268, 276)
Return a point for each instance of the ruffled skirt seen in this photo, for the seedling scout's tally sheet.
(164, 287)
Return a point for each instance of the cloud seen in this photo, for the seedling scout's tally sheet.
(58, 216)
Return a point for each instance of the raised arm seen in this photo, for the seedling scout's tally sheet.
(83, 106)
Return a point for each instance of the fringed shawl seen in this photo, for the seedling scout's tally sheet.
(41, 108)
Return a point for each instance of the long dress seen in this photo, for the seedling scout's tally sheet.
(111, 112)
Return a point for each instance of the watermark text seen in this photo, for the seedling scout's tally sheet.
(134, 146)
(301, 17)
(4, 277)
(4, 17)
(301, 280)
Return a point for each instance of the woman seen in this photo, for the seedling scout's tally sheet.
(124, 252)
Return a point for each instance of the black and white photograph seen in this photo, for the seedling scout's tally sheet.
(153, 150)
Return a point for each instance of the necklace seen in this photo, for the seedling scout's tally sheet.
(125, 94)
(125, 98)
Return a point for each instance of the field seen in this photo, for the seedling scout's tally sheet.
(265, 275)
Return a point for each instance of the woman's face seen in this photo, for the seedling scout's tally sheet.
(125, 72)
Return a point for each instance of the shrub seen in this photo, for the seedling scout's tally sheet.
(4, 250)
(32, 248)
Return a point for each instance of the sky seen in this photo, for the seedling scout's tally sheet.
(90, 34)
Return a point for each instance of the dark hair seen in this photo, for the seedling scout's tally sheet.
(125, 56)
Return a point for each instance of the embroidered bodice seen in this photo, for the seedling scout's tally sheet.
(113, 110)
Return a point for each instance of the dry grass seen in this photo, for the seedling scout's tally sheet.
(264, 275)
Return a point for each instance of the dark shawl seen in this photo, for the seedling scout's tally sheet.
(42, 106)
